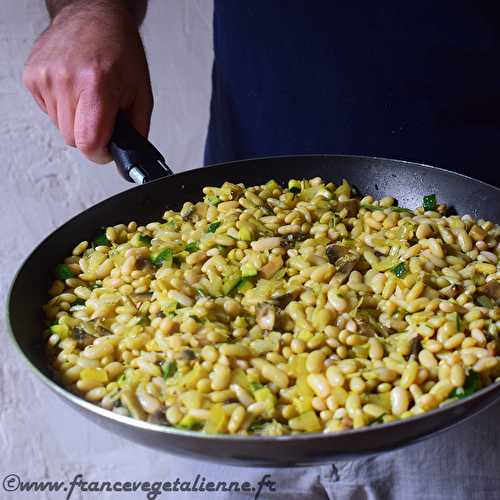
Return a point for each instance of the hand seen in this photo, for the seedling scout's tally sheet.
(89, 63)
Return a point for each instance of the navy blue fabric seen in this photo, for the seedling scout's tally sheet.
(413, 80)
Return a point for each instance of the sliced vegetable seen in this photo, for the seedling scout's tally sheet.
(402, 209)
(244, 285)
(256, 425)
(217, 419)
(168, 369)
(190, 423)
(143, 238)
(63, 272)
(95, 375)
(308, 422)
(430, 202)
(212, 199)
(61, 330)
(231, 283)
(165, 257)
(272, 184)
(369, 207)
(401, 270)
(248, 270)
(378, 420)
(192, 247)
(471, 385)
(294, 186)
(265, 396)
(485, 301)
(213, 226)
(100, 240)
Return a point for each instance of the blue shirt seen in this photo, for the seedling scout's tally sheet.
(418, 81)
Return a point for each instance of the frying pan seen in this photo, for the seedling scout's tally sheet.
(138, 160)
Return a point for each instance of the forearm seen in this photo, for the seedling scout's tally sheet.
(135, 8)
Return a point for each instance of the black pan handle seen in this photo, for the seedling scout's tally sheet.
(136, 158)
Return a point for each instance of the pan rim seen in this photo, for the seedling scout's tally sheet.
(129, 421)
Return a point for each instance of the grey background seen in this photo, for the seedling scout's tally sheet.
(44, 183)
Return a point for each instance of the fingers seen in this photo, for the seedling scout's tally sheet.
(66, 118)
(31, 83)
(93, 124)
(139, 112)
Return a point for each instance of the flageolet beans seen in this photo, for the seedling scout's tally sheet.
(271, 310)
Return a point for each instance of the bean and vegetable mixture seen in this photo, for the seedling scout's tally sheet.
(266, 310)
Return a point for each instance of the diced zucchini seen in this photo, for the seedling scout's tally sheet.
(217, 420)
(192, 247)
(165, 257)
(213, 226)
(145, 240)
(239, 377)
(63, 272)
(246, 232)
(271, 185)
(94, 375)
(191, 399)
(230, 283)
(100, 240)
(190, 379)
(430, 202)
(189, 422)
(168, 369)
(265, 396)
(212, 199)
(308, 422)
(61, 330)
(302, 404)
(248, 270)
(401, 270)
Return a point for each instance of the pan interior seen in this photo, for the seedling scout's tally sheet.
(407, 182)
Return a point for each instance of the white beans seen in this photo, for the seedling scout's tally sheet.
(271, 310)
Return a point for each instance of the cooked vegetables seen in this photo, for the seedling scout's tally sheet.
(269, 310)
(100, 240)
(63, 272)
(401, 270)
(430, 202)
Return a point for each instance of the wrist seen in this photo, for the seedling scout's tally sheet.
(117, 11)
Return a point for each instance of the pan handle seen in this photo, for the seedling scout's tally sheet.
(136, 158)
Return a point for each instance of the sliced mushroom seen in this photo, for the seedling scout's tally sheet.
(82, 337)
(352, 207)
(188, 355)
(269, 269)
(365, 328)
(452, 291)
(492, 290)
(158, 417)
(290, 239)
(335, 252)
(283, 323)
(142, 263)
(282, 301)
(416, 345)
(344, 266)
(139, 298)
(187, 211)
(266, 316)
(94, 328)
